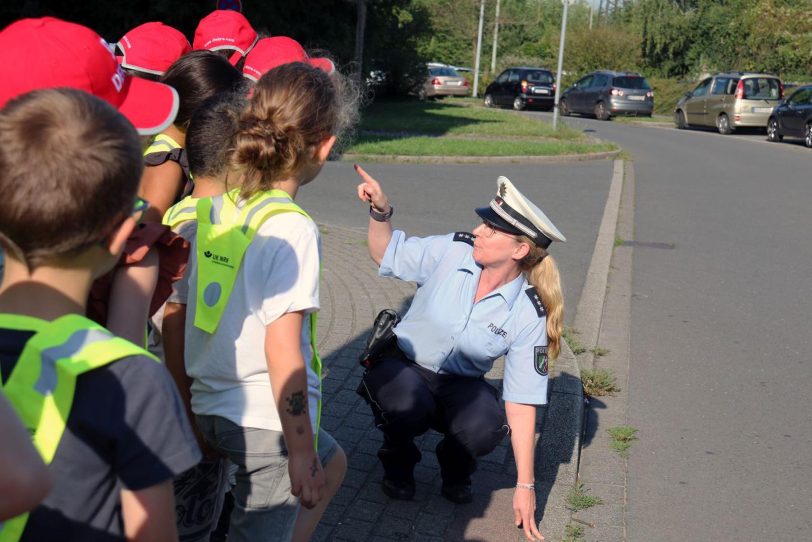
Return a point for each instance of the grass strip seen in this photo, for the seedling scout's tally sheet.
(435, 146)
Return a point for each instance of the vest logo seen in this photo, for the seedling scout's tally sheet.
(497, 330)
(218, 259)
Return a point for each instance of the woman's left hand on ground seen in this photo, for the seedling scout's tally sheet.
(524, 512)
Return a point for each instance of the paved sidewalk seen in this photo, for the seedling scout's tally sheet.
(352, 294)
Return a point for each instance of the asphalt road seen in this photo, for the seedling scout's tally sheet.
(720, 371)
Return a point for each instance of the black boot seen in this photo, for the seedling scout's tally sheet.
(456, 467)
(398, 459)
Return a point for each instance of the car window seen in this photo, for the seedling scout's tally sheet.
(444, 71)
(631, 81)
(720, 86)
(761, 88)
(801, 96)
(503, 76)
(600, 80)
(514, 76)
(702, 88)
(585, 82)
(539, 76)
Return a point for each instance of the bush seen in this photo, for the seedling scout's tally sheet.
(667, 93)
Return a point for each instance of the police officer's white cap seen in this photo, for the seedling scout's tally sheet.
(511, 211)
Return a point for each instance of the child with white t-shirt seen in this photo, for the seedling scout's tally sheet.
(253, 295)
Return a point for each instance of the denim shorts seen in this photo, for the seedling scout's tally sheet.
(264, 508)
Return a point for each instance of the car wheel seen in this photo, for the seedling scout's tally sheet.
(489, 101)
(564, 108)
(723, 124)
(518, 104)
(808, 136)
(679, 120)
(772, 131)
(600, 111)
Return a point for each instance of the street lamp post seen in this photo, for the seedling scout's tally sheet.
(478, 47)
(560, 61)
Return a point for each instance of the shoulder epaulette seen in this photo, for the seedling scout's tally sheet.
(535, 299)
(464, 237)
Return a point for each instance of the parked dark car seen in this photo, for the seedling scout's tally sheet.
(605, 94)
(792, 117)
(522, 87)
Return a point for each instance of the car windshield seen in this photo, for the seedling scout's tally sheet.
(762, 88)
(444, 71)
(539, 76)
(633, 82)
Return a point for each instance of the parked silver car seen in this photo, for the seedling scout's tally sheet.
(443, 80)
(729, 101)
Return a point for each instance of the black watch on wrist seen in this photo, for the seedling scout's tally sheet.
(381, 217)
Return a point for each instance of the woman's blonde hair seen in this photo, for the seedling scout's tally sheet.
(541, 272)
(293, 109)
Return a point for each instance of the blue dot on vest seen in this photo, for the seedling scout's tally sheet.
(211, 295)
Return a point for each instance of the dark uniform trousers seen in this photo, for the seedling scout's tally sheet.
(407, 400)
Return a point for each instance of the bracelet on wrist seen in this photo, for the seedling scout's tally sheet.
(379, 216)
(530, 486)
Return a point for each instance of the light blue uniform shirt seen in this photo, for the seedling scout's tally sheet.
(446, 332)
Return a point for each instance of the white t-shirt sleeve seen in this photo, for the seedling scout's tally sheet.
(289, 266)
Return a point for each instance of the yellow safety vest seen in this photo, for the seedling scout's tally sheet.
(183, 211)
(163, 148)
(42, 384)
(224, 232)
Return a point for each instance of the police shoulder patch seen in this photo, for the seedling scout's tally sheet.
(535, 300)
(540, 360)
(464, 237)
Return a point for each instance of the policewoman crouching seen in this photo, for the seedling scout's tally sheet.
(480, 295)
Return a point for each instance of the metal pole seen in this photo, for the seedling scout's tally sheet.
(591, 9)
(478, 47)
(495, 37)
(560, 63)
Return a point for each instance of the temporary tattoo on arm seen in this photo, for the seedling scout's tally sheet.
(314, 468)
(299, 430)
(296, 403)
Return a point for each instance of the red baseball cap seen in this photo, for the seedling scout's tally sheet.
(225, 29)
(269, 53)
(152, 48)
(49, 53)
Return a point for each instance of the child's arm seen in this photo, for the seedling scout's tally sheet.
(24, 478)
(286, 367)
(130, 298)
(149, 514)
(160, 186)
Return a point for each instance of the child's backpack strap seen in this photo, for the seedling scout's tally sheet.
(42, 384)
(165, 148)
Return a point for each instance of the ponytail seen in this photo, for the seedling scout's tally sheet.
(541, 272)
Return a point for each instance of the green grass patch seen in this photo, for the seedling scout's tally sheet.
(437, 146)
(571, 336)
(458, 117)
(580, 499)
(622, 438)
(598, 382)
(618, 240)
(573, 533)
(599, 351)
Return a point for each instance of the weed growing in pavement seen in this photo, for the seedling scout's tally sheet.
(573, 342)
(599, 351)
(323, 229)
(598, 382)
(579, 499)
(618, 240)
(573, 533)
(622, 438)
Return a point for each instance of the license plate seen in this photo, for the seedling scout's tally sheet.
(637, 98)
(541, 91)
(455, 83)
(761, 109)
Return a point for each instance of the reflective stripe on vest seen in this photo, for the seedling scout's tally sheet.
(183, 211)
(42, 384)
(224, 232)
(162, 143)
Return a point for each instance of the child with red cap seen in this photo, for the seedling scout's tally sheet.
(226, 32)
(150, 48)
(269, 53)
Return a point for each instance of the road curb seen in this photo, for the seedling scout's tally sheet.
(404, 159)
